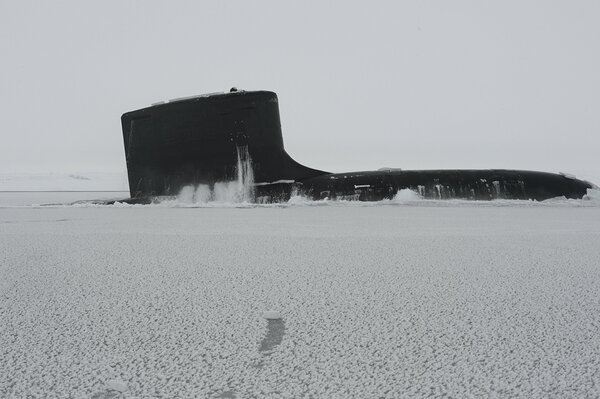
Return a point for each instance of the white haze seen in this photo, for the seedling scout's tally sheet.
(462, 84)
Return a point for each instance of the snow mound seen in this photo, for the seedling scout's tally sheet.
(593, 194)
(406, 195)
(272, 315)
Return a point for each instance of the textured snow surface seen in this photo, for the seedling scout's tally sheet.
(375, 302)
(37, 198)
(86, 181)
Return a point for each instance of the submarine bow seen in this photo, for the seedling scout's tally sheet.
(203, 140)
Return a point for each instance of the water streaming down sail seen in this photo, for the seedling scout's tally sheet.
(245, 175)
(240, 190)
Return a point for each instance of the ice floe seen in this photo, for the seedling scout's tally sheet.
(380, 300)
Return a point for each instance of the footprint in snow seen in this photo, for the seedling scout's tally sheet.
(227, 395)
(114, 389)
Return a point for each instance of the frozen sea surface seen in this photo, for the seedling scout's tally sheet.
(37, 198)
(374, 301)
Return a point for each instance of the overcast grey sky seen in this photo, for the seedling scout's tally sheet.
(361, 85)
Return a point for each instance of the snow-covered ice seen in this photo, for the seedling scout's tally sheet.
(76, 181)
(404, 298)
(116, 385)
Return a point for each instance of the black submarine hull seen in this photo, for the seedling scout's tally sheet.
(209, 139)
(447, 184)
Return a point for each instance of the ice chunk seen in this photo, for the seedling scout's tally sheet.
(271, 315)
(388, 169)
(592, 194)
(567, 175)
(405, 195)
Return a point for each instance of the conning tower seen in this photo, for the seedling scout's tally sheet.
(196, 140)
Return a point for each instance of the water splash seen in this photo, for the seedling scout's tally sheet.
(245, 176)
(407, 195)
(240, 190)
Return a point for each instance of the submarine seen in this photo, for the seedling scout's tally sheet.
(209, 139)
